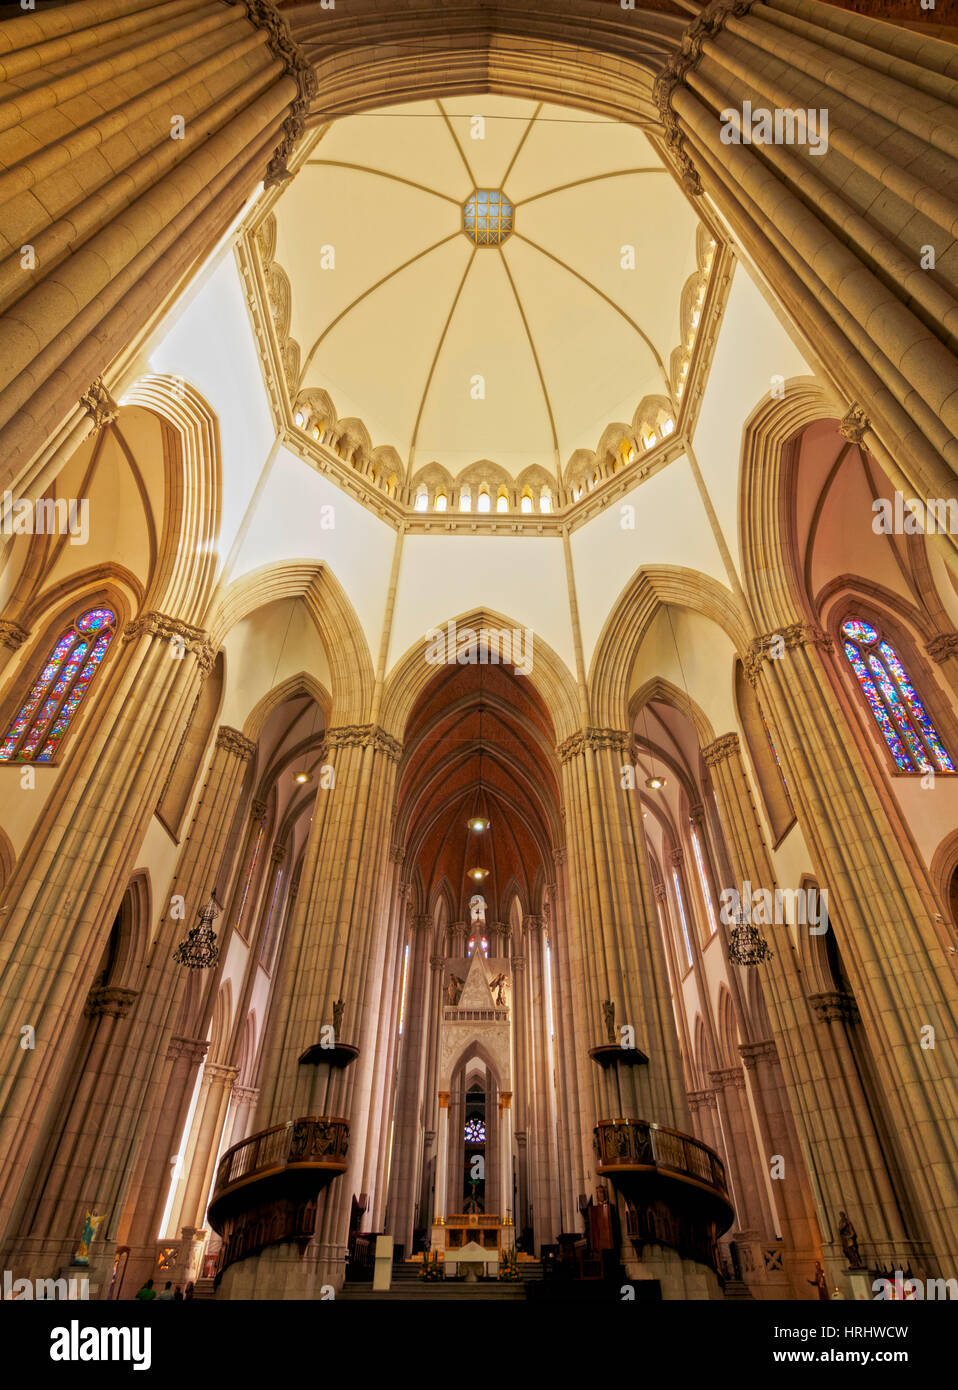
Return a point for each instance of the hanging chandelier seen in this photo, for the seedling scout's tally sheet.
(198, 951)
(746, 944)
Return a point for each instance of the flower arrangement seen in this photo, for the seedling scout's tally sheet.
(509, 1267)
(431, 1268)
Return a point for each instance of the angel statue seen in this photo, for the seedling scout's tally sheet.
(91, 1225)
(499, 985)
(454, 989)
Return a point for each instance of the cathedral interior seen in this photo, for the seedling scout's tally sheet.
(479, 648)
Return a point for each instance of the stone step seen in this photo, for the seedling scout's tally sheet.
(442, 1291)
(736, 1288)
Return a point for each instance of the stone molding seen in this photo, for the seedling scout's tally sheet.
(194, 1049)
(728, 1076)
(110, 1002)
(794, 635)
(940, 648)
(245, 1095)
(659, 890)
(218, 1074)
(725, 746)
(12, 634)
(264, 15)
(559, 857)
(232, 741)
(754, 1052)
(617, 739)
(195, 639)
(422, 921)
(277, 854)
(365, 736)
(710, 22)
(258, 810)
(677, 856)
(833, 1006)
(702, 1100)
(854, 424)
(99, 404)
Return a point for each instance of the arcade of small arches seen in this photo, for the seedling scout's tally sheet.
(320, 940)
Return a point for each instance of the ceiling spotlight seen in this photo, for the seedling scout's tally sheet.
(478, 823)
(655, 782)
(477, 874)
(301, 777)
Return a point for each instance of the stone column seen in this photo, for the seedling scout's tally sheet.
(203, 1145)
(151, 201)
(883, 912)
(68, 884)
(506, 1202)
(880, 324)
(750, 1196)
(543, 1154)
(442, 1154)
(407, 1141)
(244, 1104)
(335, 954)
(796, 1208)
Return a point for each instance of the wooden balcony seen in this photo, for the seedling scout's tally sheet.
(675, 1186)
(267, 1185)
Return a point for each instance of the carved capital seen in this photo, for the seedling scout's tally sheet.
(423, 922)
(728, 1076)
(940, 648)
(277, 854)
(436, 963)
(854, 424)
(193, 1049)
(834, 1006)
(99, 404)
(193, 639)
(505, 1100)
(107, 1001)
(532, 923)
(617, 739)
(246, 1095)
(232, 741)
(443, 1100)
(724, 747)
(559, 857)
(676, 856)
(754, 1052)
(793, 635)
(12, 634)
(702, 1100)
(216, 1074)
(266, 16)
(365, 736)
(660, 892)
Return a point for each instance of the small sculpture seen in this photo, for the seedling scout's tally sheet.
(454, 990)
(849, 1240)
(339, 1008)
(499, 985)
(608, 1013)
(90, 1227)
(820, 1282)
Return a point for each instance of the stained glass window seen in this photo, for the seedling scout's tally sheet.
(703, 879)
(475, 1132)
(249, 873)
(895, 704)
(37, 731)
(685, 926)
(488, 217)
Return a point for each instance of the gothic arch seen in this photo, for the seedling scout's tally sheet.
(550, 677)
(657, 688)
(188, 554)
(617, 648)
(303, 683)
(339, 628)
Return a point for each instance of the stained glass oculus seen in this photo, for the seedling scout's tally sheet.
(895, 704)
(45, 715)
(488, 217)
(475, 1132)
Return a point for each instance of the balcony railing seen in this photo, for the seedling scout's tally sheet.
(267, 1185)
(639, 1144)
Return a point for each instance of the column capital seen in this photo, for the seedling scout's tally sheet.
(436, 963)
(800, 634)
(834, 1006)
(531, 922)
(854, 424)
(365, 736)
(98, 403)
(940, 648)
(518, 962)
(194, 639)
(218, 1074)
(677, 857)
(702, 1100)
(246, 1095)
(559, 856)
(725, 746)
(617, 739)
(12, 634)
(505, 1100)
(422, 921)
(754, 1052)
(277, 854)
(194, 1049)
(110, 1002)
(728, 1076)
(232, 741)
(443, 1100)
(258, 810)
(264, 14)
(660, 891)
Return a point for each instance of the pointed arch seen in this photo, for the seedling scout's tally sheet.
(652, 587)
(187, 559)
(300, 684)
(336, 621)
(658, 689)
(550, 677)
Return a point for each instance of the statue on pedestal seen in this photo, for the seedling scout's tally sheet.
(499, 985)
(339, 1008)
(454, 990)
(608, 1013)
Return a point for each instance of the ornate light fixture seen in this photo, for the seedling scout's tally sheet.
(198, 951)
(655, 782)
(478, 824)
(746, 944)
(301, 777)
